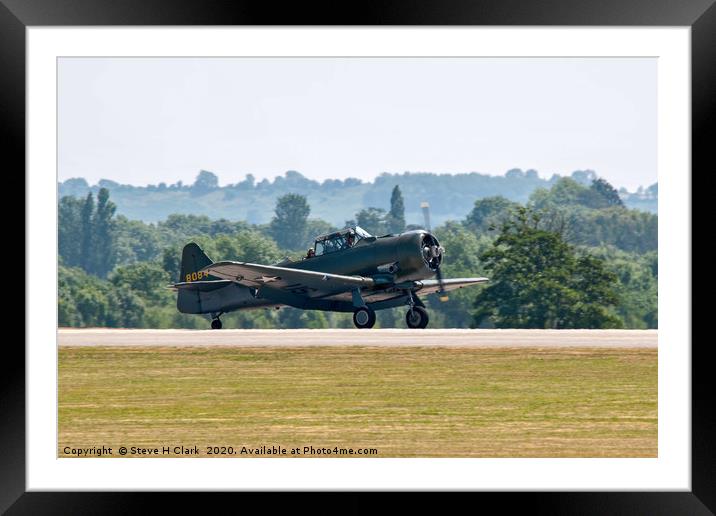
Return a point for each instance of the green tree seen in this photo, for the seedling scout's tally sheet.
(136, 241)
(149, 280)
(638, 284)
(489, 212)
(103, 245)
(288, 227)
(83, 299)
(372, 220)
(171, 262)
(69, 233)
(460, 260)
(247, 246)
(598, 294)
(537, 280)
(395, 220)
(608, 194)
(592, 216)
(568, 192)
(128, 309)
(205, 182)
(87, 234)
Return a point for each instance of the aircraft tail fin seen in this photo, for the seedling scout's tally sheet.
(194, 285)
(193, 259)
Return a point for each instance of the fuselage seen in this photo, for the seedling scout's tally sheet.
(389, 260)
(399, 255)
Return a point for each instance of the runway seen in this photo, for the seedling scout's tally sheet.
(455, 338)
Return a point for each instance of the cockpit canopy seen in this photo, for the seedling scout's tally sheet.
(340, 240)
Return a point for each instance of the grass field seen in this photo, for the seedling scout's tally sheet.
(403, 402)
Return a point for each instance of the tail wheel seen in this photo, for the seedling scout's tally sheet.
(364, 317)
(417, 317)
(216, 324)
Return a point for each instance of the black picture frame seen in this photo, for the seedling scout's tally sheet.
(16, 15)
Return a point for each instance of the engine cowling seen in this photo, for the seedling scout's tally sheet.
(419, 255)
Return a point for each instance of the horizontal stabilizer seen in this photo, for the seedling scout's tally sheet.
(201, 286)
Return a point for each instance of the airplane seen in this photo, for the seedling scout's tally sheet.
(346, 271)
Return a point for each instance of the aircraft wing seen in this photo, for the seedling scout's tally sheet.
(430, 286)
(297, 281)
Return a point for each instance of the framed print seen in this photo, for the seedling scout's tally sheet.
(119, 108)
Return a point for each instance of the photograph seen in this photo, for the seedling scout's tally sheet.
(357, 257)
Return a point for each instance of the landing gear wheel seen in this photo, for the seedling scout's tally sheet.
(216, 324)
(364, 317)
(417, 317)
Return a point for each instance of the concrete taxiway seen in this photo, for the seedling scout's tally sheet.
(353, 337)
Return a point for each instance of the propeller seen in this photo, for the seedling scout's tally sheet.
(433, 251)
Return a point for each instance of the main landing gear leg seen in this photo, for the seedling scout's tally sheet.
(215, 321)
(363, 315)
(417, 316)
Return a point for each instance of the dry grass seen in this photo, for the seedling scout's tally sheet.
(406, 402)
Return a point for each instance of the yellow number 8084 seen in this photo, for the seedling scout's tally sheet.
(196, 276)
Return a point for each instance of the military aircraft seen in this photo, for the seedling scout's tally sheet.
(346, 271)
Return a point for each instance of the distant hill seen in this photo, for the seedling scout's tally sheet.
(451, 196)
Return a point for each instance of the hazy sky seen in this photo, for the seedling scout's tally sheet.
(149, 120)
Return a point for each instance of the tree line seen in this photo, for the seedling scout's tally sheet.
(450, 195)
(571, 256)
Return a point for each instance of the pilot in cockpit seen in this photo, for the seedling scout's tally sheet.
(311, 253)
